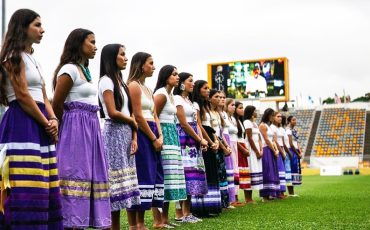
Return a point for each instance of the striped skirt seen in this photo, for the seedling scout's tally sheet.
(296, 169)
(83, 168)
(211, 202)
(255, 166)
(271, 182)
(30, 193)
(230, 172)
(281, 169)
(173, 169)
(288, 172)
(192, 159)
(149, 172)
(244, 173)
(123, 185)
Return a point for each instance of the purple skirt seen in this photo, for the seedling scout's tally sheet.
(149, 172)
(192, 158)
(271, 182)
(33, 200)
(230, 172)
(83, 168)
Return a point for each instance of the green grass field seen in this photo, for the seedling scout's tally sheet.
(325, 203)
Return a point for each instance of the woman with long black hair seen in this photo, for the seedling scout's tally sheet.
(81, 159)
(271, 182)
(150, 139)
(30, 193)
(243, 178)
(209, 204)
(119, 134)
(173, 169)
(192, 143)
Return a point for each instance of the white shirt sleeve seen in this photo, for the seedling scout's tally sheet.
(105, 84)
(196, 106)
(288, 132)
(71, 70)
(178, 100)
(248, 124)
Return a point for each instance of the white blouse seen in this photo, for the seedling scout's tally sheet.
(255, 133)
(207, 121)
(168, 112)
(82, 90)
(33, 78)
(105, 83)
(188, 107)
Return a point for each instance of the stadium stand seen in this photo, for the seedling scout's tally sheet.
(341, 132)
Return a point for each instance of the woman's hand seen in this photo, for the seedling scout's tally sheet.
(259, 154)
(245, 152)
(52, 129)
(228, 151)
(133, 147)
(157, 144)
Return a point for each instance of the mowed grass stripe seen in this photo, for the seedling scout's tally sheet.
(325, 203)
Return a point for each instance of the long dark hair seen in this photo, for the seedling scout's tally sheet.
(211, 93)
(283, 121)
(266, 116)
(239, 120)
(137, 62)
(14, 45)
(164, 73)
(248, 112)
(72, 52)
(183, 76)
(109, 68)
(197, 97)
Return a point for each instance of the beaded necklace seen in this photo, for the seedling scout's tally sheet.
(86, 72)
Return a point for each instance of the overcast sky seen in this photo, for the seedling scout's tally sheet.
(327, 42)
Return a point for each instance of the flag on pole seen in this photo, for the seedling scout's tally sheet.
(337, 99)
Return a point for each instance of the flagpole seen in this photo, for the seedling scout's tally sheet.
(2, 19)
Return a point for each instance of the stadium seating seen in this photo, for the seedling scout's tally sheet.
(341, 132)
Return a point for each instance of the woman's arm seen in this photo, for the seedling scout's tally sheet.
(251, 142)
(159, 101)
(278, 147)
(291, 144)
(263, 130)
(52, 128)
(113, 113)
(135, 94)
(244, 150)
(188, 129)
(63, 86)
(24, 98)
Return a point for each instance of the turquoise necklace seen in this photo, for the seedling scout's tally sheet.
(86, 72)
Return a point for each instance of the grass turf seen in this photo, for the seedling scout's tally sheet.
(324, 203)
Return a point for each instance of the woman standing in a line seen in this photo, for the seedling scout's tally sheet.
(209, 204)
(81, 160)
(173, 169)
(149, 137)
(119, 133)
(30, 193)
(222, 107)
(271, 183)
(279, 142)
(295, 151)
(244, 178)
(287, 163)
(192, 143)
(254, 145)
